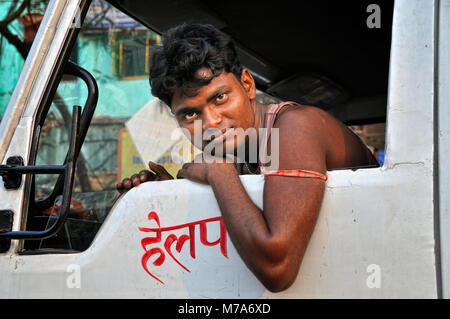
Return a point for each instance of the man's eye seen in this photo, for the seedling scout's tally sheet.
(190, 116)
(221, 98)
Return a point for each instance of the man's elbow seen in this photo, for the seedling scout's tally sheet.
(277, 286)
(279, 268)
(279, 278)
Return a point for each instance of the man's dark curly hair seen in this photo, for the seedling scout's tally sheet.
(187, 48)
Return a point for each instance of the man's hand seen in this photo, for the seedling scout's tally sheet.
(200, 171)
(160, 174)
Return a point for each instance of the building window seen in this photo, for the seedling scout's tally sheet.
(131, 54)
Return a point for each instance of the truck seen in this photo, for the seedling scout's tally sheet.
(382, 232)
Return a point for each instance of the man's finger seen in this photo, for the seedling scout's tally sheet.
(127, 184)
(135, 179)
(145, 176)
(160, 171)
(119, 185)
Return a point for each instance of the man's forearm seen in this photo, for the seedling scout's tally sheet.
(245, 222)
(238, 211)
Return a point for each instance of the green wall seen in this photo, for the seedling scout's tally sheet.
(10, 61)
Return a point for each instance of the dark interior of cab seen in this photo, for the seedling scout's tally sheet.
(322, 53)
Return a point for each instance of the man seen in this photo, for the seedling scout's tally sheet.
(198, 74)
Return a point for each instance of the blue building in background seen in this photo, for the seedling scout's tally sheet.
(11, 62)
(112, 46)
(116, 50)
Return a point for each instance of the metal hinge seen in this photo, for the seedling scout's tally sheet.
(11, 179)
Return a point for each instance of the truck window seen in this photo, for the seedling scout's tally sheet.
(129, 127)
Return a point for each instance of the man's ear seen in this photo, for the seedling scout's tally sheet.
(248, 83)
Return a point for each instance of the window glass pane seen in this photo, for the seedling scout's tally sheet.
(54, 137)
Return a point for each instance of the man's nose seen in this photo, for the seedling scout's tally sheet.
(211, 118)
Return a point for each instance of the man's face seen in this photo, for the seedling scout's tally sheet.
(223, 104)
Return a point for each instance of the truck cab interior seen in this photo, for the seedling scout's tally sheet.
(322, 53)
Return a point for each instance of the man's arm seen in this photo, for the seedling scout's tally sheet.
(272, 242)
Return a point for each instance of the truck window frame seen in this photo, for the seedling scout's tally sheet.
(56, 77)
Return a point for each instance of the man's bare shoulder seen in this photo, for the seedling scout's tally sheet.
(303, 113)
(306, 121)
(302, 142)
(309, 124)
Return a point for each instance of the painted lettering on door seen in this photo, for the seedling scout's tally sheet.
(170, 238)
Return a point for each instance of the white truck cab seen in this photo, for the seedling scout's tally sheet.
(382, 232)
